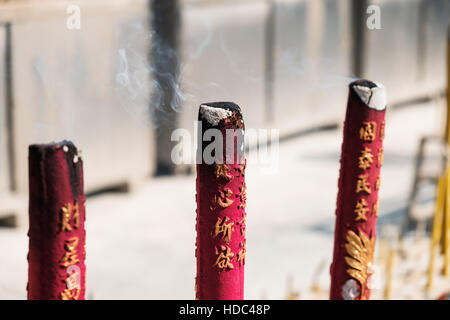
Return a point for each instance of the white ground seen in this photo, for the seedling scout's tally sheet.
(141, 245)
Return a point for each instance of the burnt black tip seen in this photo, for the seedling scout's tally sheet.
(51, 145)
(363, 83)
(43, 150)
(223, 105)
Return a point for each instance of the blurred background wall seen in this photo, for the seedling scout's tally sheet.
(4, 184)
(286, 62)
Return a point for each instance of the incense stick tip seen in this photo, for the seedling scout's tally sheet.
(214, 112)
(372, 94)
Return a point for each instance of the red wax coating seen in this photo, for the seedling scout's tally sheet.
(221, 195)
(357, 209)
(56, 268)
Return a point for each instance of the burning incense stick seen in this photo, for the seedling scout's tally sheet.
(221, 197)
(359, 182)
(56, 269)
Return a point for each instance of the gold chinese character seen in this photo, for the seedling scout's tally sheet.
(362, 184)
(361, 210)
(365, 159)
(243, 224)
(242, 196)
(70, 256)
(377, 185)
(382, 131)
(70, 294)
(222, 199)
(222, 171)
(380, 157)
(224, 258)
(241, 254)
(241, 168)
(224, 227)
(367, 131)
(70, 212)
(375, 209)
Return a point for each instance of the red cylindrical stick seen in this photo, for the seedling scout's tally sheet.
(56, 269)
(221, 196)
(359, 182)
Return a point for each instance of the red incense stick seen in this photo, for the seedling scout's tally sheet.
(56, 269)
(221, 197)
(359, 182)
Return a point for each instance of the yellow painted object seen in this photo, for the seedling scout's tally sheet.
(389, 268)
(292, 296)
(446, 232)
(441, 221)
(446, 227)
(437, 225)
(383, 251)
(447, 136)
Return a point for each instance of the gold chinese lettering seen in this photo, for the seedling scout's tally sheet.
(375, 209)
(382, 131)
(241, 254)
(224, 258)
(366, 159)
(222, 171)
(68, 294)
(242, 196)
(361, 210)
(367, 131)
(70, 256)
(362, 184)
(380, 157)
(241, 168)
(70, 213)
(222, 199)
(377, 184)
(224, 227)
(242, 224)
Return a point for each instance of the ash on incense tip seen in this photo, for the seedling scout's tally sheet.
(372, 94)
(214, 112)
